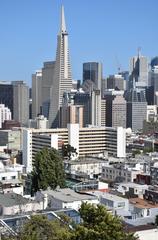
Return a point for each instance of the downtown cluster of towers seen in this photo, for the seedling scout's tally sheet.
(119, 100)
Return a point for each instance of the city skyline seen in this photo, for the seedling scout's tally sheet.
(107, 32)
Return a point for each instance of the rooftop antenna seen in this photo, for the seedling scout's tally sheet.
(119, 67)
(139, 51)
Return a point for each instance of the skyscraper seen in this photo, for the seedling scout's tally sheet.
(116, 82)
(115, 111)
(138, 72)
(96, 108)
(93, 71)
(36, 93)
(92, 83)
(6, 95)
(20, 102)
(46, 85)
(62, 80)
(136, 109)
(15, 96)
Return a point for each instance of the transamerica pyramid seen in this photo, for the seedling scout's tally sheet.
(62, 74)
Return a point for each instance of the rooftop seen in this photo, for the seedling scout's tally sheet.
(11, 181)
(86, 161)
(134, 185)
(141, 203)
(108, 196)
(68, 195)
(12, 199)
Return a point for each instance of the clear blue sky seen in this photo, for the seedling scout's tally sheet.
(109, 31)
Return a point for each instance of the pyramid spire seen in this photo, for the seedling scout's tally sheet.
(63, 25)
(62, 79)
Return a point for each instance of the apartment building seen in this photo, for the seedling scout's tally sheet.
(87, 141)
(118, 173)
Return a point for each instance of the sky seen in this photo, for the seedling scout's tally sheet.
(107, 31)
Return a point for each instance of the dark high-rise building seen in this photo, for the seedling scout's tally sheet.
(93, 71)
(6, 95)
(44, 81)
(154, 62)
(15, 96)
(81, 98)
(149, 91)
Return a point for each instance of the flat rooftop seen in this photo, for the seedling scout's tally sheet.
(134, 185)
(86, 161)
(68, 195)
(141, 203)
(108, 196)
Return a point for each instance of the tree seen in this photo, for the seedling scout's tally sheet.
(148, 150)
(68, 151)
(98, 223)
(48, 170)
(40, 228)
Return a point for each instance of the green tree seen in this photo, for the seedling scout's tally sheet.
(68, 151)
(48, 170)
(148, 150)
(40, 228)
(98, 223)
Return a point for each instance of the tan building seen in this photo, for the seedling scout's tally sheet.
(119, 112)
(71, 114)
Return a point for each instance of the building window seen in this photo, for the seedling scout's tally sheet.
(121, 204)
(148, 212)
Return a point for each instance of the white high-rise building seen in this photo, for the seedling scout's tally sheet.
(62, 81)
(5, 114)
(36, 93)
(88, 141)
(96, 108)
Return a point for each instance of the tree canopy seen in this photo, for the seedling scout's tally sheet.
(40, 228)
(97, 224)
(68, 151)
(48, 170)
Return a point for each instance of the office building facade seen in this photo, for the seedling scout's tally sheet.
(115, 111)
(138, 72)
(116, 82)
(71, 114)
(21, 102)
(136, 109)
(93, 71)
